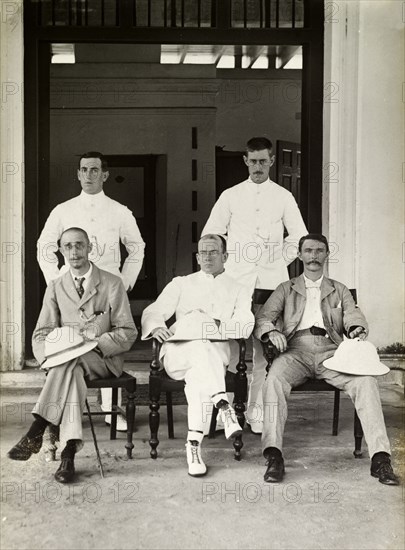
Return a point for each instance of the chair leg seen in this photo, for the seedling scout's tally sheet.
(239, 406)
(169, 407)
(130, 413)
(358, 436)
(95, 439)
(336, 405)
(213, 423)
(154, 421)
(114, 404)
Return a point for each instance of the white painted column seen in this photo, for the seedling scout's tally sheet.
(12, 186)
(340, 137)
(363, 202)
(380, 169)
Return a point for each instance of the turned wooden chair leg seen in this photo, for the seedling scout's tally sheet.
(169, 407)
(336, 405)
(239, 406)
(114, 404)
(358, 436)
(154, 421)
(130, 413)
(213, 423)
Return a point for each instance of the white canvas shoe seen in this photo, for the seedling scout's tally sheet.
(196, 466)
(121, 422)
(232, 426)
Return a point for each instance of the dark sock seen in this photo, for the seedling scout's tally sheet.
(37, 427)
(222, 404)
(272, 451)
(380, 457)
(70, 450)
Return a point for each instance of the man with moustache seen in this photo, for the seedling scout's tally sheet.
(107, 222)
(208, 303)
(254, 215)
(305, 319)
(85, 303)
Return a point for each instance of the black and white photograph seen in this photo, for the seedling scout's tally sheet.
(202, 274)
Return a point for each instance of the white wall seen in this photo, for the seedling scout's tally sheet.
(380, 184)
(12, 186)
(363, 158)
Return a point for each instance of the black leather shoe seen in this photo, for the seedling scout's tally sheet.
(25, 448)
(275, 469)
(66, 471)
(383, 470)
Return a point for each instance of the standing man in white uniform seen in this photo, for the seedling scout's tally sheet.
(107, 222)
(254, 215)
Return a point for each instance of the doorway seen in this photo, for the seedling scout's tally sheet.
(241, 23)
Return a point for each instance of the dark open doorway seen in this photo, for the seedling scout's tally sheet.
(205, 22)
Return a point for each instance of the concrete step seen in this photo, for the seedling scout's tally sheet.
(33, 377)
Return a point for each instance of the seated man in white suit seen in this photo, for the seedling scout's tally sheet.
(209, 305)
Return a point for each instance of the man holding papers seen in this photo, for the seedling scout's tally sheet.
(210, 308)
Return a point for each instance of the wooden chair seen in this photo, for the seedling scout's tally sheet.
(270, 353)
(124, 381)
(129, 383)
(160, 382)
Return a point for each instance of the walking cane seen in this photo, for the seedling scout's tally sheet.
(95, 440)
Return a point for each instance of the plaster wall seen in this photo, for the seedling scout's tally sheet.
(380, 183)
(12, 186)
(363, 201)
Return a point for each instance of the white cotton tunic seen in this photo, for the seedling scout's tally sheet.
(107, 222)
(254, 216)
(220, 297)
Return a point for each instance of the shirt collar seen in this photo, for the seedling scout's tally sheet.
(98, 197)
(251, 184)
(209, 276)
(86, 276)
(313, 284)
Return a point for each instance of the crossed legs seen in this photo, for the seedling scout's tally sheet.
(61, 403)
(202, 365)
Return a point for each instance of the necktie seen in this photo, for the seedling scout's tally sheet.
(79, 286)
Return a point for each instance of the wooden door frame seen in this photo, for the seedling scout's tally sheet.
(37, 42)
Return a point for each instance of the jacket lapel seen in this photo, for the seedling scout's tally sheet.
(298, 284)
(69, 287)
(327, 287)
(91, 287)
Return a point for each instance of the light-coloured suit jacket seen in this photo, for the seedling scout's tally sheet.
(285, 307)
(105, 295)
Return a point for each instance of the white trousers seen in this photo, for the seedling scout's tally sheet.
(201, 364)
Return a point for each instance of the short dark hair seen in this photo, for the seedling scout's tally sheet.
(258, 144)
(95, 155)
(313, 237)
(215, 236)
(84, 233)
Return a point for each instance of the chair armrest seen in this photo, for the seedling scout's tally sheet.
(155, 363)
(270, 352)
(241, 366)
